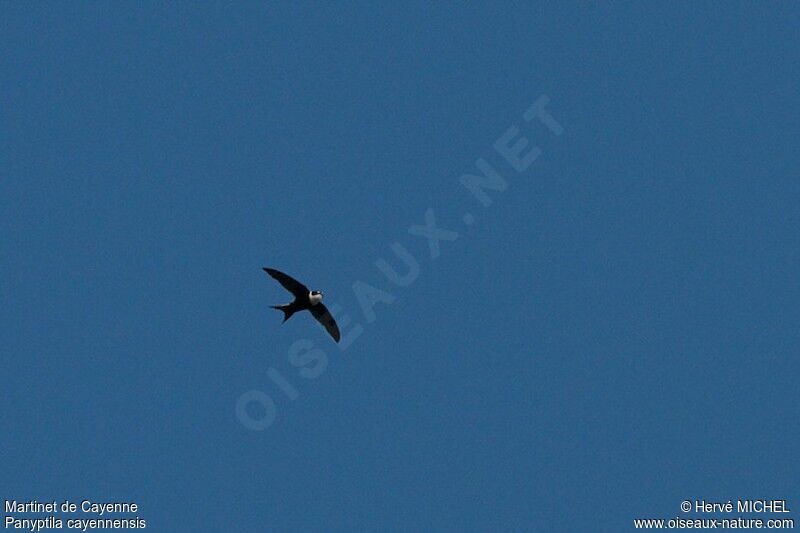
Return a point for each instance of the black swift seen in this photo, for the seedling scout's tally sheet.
(304, 300)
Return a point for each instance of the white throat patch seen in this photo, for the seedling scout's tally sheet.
(314, 299)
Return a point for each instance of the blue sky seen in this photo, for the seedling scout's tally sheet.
(615, 333)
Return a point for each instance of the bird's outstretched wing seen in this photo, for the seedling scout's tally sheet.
(288, 282)
(324, 317)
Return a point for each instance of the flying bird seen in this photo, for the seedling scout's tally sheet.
(304, 299)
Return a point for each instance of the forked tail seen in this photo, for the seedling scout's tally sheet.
(287, 309)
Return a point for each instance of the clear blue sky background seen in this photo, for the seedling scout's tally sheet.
(617, 332)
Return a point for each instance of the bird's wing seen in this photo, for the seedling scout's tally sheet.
(288, 282)
(324, 317)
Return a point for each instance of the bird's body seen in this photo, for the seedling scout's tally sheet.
(304, 299)
(300, 303)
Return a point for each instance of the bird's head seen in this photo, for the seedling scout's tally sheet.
(314, 297)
